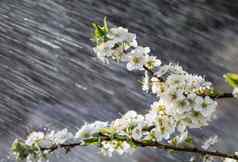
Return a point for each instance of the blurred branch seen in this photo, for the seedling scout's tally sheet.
(158, 145)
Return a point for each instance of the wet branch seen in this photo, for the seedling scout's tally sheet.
(187, 149)
(225, 95)
(158, 145)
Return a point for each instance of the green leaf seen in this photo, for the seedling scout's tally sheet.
(20, 149)
(189, 140)
(232, 79)
(107, 131)
(106, 29)
(100, 32)
(174, 141)
(132, 144)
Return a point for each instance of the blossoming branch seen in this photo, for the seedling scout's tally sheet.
(184, 101)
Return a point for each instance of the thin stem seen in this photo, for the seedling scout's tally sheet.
(225, 95)
(148, 70)
(72, 145)
(187, 149)
(219, 96)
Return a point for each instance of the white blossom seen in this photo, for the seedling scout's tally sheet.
(32, 158)
(206, 106)
(170, 69)
(34, 137)
(103, 51)
(157, 87)
(60, 137)
(131, 118)
(88, 130)
(124, 148)
(196, 81)
(146, 82)
(235, 92)
(108, 147)
(183, 124)
(165, 126)
(119, 40)
(172, 95)
(176, 81)
(180, 138)
(151, 62)
(209, 142)
(136, 58)
(192, 159)
(120, 34)
(158, 107)
(150, 118)
(197, 120)
(182, 105)
(231, 160)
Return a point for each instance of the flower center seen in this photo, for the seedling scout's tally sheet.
(136, 60)
(204, 105)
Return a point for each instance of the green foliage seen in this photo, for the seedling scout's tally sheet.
(107, 131)
(92, 141)
(207, 91)
(106, 24)
(189, 140)
(100, 32)
(232, 79)
(20, 149)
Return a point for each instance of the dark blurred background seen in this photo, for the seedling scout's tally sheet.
(50, 78)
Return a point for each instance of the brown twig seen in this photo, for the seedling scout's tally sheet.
(146, 144)
(188, 149)
(225, 95)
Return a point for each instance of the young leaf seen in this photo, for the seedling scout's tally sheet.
(106, 29)
(232, 79)
(98, 31)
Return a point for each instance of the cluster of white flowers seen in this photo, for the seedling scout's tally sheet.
(59, 137)
(31, 148)
(178, 107)
(34, 137)
(119, 39)
(122, 47)
(179, 102)
(88, 130)
(108, 147)
(183, 102)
